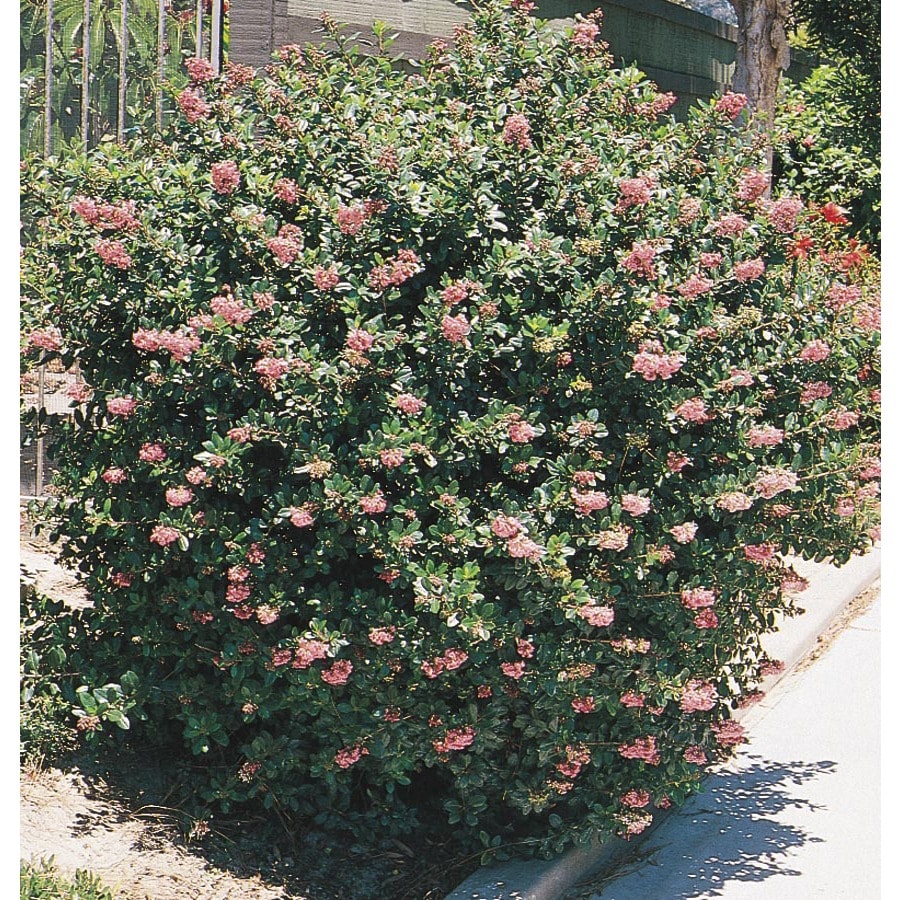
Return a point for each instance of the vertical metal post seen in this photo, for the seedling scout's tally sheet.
(215, 36)
(123, 71)
(86, 73)
(39, 466)
(199, 50)
(160, 62)
(48, 79)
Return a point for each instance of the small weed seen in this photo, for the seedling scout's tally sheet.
(43, 882)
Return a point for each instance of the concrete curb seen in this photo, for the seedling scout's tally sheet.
(830, 591)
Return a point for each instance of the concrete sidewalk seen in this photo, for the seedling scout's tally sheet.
(796, 814)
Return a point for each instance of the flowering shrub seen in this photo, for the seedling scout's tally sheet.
(445, 430)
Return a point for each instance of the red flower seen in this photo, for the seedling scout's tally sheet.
(833, 214)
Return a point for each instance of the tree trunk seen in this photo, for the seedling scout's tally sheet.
(762, 53)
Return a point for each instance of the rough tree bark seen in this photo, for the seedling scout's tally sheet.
(762, 54)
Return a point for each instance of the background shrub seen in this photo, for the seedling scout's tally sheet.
(444, 428)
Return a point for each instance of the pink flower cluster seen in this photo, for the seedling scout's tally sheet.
(349, 756)
(192, 105)
(451, 659)
(589, 501)
(842, 295)
(694, 286)
(815, 390)
(640, 260)
(764, 554)
(359, 341)
(675, 461)
(598, 616)
(180, 344)
(113, 253)
(706, 619)
(409, 404)
(455, 328)
(517, 130)
(730, 225)
(635, 504)
(287, 245)
(121, 406)
(225, 177)
(632, 700)
(338, 673)
(301, 517)
(455, 739)
(773, 482)
(698, 696)
(307, 651)
(657, 106)
(748, 270)
(373, 505)
(506, 527)
(392, 457)
(815, 351)
(350, 219)
(731, 105)
(179, 496)
(710, 260)
(842, 419)
(107, 216)
(584, 34)
(615, 538)
(271, 367)
(698, 598)
(522, 547)
(752, 185)
(635, 799)
(734, 501)
(635, 191)
(651, 362)
(326, 279)
(514, 670)
(693, 410)
(164, 535)
(584, 704)
(285, 189)
(641, 748)
(765, 436)
(199, 70)
(395, 271)
(694, 754)
(381, 636)
(576, 757)
(152, 452)
(783, 214)
(729, 733)
(231, 309)
(114, 475)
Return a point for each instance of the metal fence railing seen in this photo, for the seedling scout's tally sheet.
(93, 71)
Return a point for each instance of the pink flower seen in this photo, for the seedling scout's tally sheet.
(307, 651)
(520, 432)
(590, 501)
(749, 269)
(764, 436)
(114, 475)
(783, 214)
(455, 328)
(454, 658)
(432, 668)
(113, 253)
(237, 592)
(230, 309)
(730, 225)
(225, 177)
(675, 462)
(631, 699)
(842, 419)
(179, 496)
(584, 34)
(815, 351)
(615, 538)
(395, 271)
(455, 292)
(79, 392)
(359, 340)
(641, 748)
(845, 507)
(815, 390)
(635, 191)
(179, 344)
(731, 105)
(285, 189)
(121, 579)
(49, 339)
(255, 555)
(698, 598)
(350, 219)
(693, 410)
(651, 362)
(698, 696)
(373, 505)
(409, 404)
(694, 754)
(635, 799)
(455, 739)
(753, 184)
(521, 547)
(381, 636)
(271, 367)
(514, 670)
(684, 533)
(301, 517)
(694, 286)
(775, 481)
(635, 504)
(349, 756)
(280, 657)
(524, 648)
(843, 295)
(729, 733)
(734, 501)
(710, 260)
(240, 434)
(192, 104)
(326, 279)
(266, 615)
(152, 453)
(238, 574)
(199, 70)
(392, 458)
(285, 250)
(689, 209)
(760, 553)
(706, 619)
(657, 106)
(338, 673)
(598, 616)
(640, 260)
(517, 130)
(584, 704)
(196, 475)
(506, 527)
(164, 535)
